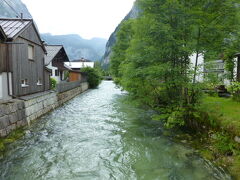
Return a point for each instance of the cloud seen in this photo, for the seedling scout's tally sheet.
(88, 18)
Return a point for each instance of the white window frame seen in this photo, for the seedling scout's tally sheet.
(39, 82)
(24, 83)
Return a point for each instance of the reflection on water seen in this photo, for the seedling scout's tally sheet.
(99, 135)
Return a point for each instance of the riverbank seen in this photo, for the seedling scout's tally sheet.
(20, 112)
(218, 138)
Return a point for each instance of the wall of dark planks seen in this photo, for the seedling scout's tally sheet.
(23, 68)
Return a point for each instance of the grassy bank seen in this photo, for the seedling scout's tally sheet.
(218, 143)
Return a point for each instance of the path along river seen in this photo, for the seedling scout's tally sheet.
(101, 135)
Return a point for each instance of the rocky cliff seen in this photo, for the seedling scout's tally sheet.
(13, 9)
(77, 47)
(113, 38)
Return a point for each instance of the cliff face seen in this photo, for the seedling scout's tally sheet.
(13, 8)
(113, 38)
(77, 47)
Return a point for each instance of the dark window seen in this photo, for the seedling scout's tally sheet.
(56, 73)
(30, 52)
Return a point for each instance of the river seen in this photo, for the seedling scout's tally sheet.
(101, 135)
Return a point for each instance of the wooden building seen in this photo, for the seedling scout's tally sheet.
(22, 52)
(54, 60)
(77, 76)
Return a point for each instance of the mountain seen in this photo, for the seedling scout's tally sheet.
(77, 47)
(13, 8)
(134, 13)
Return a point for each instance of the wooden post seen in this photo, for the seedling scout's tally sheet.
(238, 68)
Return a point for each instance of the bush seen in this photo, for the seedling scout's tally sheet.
(53, 83)
(235, 87)
(94, 77)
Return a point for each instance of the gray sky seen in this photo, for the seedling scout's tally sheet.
(88, 18)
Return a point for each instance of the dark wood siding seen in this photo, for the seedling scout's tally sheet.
(3, 58)
(23, 68)
(47, 80)
(31, 35)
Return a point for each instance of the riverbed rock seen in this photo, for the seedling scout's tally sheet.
(237, 139)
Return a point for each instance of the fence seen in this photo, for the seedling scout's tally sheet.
(66, 86)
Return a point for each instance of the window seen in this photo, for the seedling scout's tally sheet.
(24, 83)
(30, 52)
(56, 73)
(39, 82)
(51, 73)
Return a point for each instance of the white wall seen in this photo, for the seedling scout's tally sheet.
(199, 77)
(80, 64)
(1, 87)
(57, 78)
(4, 86)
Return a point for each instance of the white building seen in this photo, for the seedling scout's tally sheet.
(200, 69)
(79, 64)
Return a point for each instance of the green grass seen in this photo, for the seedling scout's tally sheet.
(226, 113)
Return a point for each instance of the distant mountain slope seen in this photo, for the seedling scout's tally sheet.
(113, 38)
(77, 47)
(7, 12)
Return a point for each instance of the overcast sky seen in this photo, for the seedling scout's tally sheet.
(88, 18)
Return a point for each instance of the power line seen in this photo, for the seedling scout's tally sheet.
(12, 8)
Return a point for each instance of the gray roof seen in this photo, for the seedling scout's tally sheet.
(13, 27)
(52, 51)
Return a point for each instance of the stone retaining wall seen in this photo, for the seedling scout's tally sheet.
(12, 116)
(16, 113)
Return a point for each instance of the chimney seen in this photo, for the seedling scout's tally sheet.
(22, 17)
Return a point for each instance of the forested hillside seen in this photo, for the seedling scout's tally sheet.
(13, 8)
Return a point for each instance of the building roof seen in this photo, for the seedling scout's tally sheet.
(12, 27)
(52, 51)
(82, 60)
(79, 65)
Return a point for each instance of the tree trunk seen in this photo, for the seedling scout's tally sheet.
(197, 56)
(238, 69)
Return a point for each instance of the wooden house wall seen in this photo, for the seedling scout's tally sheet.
(3, 58)
(23, 68)
(47, 80)
(30, 35)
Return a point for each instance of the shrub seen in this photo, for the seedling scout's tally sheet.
(235, 87)
(53, 83)
(94, 77)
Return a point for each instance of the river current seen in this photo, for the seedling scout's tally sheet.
(101, 135)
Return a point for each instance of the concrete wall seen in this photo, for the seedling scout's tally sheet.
(16, 113)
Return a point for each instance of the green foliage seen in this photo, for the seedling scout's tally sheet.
(93, 76)
(223, 143)
(66, 75)
(151, 57)
(235, 88)
(53, 83)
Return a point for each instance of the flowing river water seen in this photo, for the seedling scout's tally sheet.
(101, 135)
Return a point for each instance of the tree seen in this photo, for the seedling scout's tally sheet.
(93, 76)
(151, 57)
